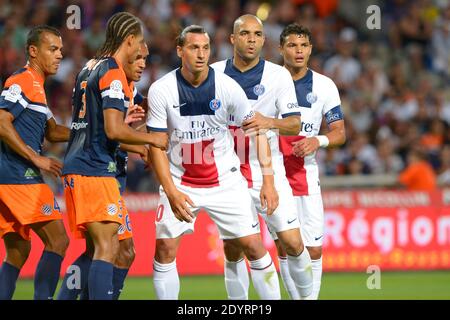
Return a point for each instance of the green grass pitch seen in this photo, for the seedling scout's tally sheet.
(341, 286)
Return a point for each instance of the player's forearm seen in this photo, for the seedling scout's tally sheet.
(336, 135)
(161, 167)
(139, 149)
(9, 135)
(264, 156)
(289, 126)
(124, 134)
(58, 134)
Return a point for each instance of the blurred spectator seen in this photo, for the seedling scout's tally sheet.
(418, 175)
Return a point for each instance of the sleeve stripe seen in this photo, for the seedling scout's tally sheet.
(37, 108)
(106, 94)
(291, 114)
(156, 129)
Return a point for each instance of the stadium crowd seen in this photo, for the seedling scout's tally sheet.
(393, 81)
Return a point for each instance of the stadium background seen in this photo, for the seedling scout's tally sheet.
(395, 97)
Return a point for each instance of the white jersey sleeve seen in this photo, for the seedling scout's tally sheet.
(286, 102)
(332, 106)
(157, 105)
(240, 108)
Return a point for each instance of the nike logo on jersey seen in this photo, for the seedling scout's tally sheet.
(174, 106)
(318, 238)
(255, 225)
(290, 221)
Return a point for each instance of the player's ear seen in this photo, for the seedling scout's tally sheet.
(129, 40)
(179, 51)
(33, 51)
(232, 38)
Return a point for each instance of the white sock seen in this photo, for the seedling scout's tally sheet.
(317, 277)
(288, 283)
(165, 280)
(236, 279)
(265, 278)
(301, 272)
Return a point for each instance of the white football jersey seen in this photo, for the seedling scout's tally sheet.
(270, 90)
(317, 97)
(201, 150)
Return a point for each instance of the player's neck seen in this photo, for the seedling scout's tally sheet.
(120, 56)
(243, 65)
(37, 68)
(195, 79)
(297, 73)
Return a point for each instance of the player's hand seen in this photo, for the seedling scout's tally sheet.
(257, 125)
(269, 197)
(145, 154)
(178, 202)
(159, 140)
(305, 147)
(135, 113)
(50, 165)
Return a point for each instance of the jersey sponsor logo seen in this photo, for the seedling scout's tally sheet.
(13, 93)
(311, 97)
(259, 89)
(307, 127)
(215, 104)
(78, 125)
(112, 209)
(30, 173)
(46, 209)
(115, 89)
(293, 105)
(249, 116)
(112, 167)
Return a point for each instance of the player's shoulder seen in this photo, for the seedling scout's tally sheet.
(219, 65)
(225, 83)
(166, 84)
(273, 70)
(21, 77)
(319, 77)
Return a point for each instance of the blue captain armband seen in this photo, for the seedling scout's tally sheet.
(334, 114)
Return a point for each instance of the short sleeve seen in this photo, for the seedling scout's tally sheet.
(157, 105)
(332, 107)
(286, 99)
(239, 108)
(113, 86)
(13, 98)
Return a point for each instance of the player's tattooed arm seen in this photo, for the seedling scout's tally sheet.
(9, 135)
(268, 194)
(178, 200)
(55, 132)
(335, 137)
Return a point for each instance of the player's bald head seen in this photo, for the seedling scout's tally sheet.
(244, 19)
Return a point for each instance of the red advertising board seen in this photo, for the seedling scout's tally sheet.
(396, 230)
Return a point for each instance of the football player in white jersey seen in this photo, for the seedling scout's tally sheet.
(318, 98)
(270, 90)
(194, 105)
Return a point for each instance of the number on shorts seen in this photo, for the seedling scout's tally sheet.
(159, 213)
